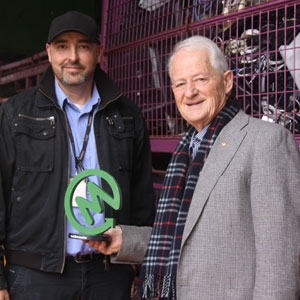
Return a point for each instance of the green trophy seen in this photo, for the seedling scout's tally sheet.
(95, 205)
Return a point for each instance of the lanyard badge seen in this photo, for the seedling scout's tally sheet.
(82, 186)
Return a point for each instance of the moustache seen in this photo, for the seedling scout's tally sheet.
(73, 65)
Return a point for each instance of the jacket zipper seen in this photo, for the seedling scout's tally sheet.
(51, 118)
(127, 118)
(110, 121)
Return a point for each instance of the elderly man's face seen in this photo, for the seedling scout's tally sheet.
(200, 92)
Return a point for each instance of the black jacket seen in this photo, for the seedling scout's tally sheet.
(35, 166)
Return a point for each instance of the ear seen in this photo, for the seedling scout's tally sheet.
(48, 52)
(228, 81)
(100, 51)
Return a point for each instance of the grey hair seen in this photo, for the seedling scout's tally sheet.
(216, 57)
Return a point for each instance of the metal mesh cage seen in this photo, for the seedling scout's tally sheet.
(260, 39)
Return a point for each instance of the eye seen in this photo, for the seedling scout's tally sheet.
(61, 46)
(200, 80)
(178, 85)
(84, 46)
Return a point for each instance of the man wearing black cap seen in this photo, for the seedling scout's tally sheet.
(76, 119)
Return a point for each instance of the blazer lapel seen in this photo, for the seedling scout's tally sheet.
(222, 152)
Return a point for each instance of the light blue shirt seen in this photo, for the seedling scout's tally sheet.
(78, 119)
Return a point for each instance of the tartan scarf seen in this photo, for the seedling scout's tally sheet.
(158, 272)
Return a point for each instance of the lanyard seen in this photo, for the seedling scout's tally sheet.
(79, 159)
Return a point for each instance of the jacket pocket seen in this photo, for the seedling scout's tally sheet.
(34, 143)
(120, 127)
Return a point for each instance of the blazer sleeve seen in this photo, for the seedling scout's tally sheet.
(275, 203)
(134, 245)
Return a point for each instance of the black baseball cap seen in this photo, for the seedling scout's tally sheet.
(74, 21)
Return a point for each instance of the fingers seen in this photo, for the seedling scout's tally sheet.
(102, 247)
(113, 246)
(4, 294)
(97, 244)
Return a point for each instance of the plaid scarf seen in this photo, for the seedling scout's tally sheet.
(158, 272)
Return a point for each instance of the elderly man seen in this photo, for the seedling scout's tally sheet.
(227, 224)
(76, 119)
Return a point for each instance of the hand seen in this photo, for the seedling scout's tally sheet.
(108, 248)
(4, 294)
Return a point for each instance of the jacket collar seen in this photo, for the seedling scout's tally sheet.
(107, 89)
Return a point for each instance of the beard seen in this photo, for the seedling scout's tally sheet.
(72, 78)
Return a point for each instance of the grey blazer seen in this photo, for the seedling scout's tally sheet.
(242, 235)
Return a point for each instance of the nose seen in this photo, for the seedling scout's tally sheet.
(190, 90)
(73, 54)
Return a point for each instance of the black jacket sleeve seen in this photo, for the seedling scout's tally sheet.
(142, 185)
(7, 154)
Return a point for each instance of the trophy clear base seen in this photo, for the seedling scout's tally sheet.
(98, 237)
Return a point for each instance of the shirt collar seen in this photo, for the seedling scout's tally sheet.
(198, 136)
(63, 99)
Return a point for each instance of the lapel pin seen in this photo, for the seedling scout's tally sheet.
(224, 144)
